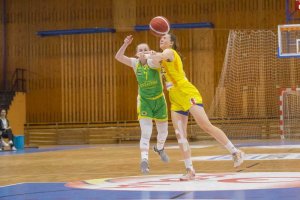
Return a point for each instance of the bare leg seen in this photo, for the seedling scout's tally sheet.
(204, 123)
(180, 126)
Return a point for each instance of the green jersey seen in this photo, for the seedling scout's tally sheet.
(151, 100)
(149, 81)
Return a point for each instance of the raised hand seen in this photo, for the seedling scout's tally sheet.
(128, 40)
(120, 54)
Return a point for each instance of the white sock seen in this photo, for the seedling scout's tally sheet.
(231, 148)
(144, 147)
(162, 134)
(144, 155)
(146, 129)
(188, 164)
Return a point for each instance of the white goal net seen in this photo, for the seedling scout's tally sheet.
(246, 99)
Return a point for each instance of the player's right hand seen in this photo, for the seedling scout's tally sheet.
(128, 39)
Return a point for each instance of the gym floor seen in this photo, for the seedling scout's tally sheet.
(271, 171)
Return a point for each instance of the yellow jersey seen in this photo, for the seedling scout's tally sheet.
(174, 71)
(182, 93)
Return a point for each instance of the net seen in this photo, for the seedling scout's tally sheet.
(290, 114)
(246, 99)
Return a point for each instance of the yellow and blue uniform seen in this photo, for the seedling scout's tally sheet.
(182, 93)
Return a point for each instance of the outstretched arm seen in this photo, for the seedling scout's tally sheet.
(120, 54)
(166, 55)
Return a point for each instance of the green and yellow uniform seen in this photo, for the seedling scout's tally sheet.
(151, 100)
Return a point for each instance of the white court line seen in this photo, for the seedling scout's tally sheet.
(191, 146)
(27, 183)
(270, 156)
(275, 147)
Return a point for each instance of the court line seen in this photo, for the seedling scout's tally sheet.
(179, 195)
(26, 193)
(3, 186)
(247, 167)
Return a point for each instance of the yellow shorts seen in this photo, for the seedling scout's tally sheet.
(184, 96)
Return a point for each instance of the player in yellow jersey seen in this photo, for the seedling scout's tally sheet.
(185, 98)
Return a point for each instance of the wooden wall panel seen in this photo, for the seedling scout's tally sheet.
(223, 13)
(75, 78)
(44, 81)
(203, 63)
(124, 19)
(95, 87)
(64, 14)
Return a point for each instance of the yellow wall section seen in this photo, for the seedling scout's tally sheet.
(17, 113)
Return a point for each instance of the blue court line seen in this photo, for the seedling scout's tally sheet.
(49, 191)
(40, 150)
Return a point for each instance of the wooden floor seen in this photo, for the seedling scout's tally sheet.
(108, 161)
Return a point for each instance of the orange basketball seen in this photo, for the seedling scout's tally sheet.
(159, 26)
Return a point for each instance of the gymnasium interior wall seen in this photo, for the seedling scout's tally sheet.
(75, 78)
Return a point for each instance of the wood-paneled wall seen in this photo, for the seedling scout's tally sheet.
(75, 78)
(225, 14)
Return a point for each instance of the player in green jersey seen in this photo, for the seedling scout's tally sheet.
(151, 102)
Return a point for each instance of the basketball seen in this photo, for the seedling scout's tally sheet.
(159, 26)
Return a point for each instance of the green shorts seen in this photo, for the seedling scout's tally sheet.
(153, 109)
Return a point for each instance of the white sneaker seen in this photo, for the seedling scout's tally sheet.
(238, 158)
(4, 143)
(189, 176)
(13, 148)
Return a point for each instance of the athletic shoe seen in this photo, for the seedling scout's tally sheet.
(238, 158)
(4, 144)
(144, 166)
(189, 176)
(163, 156)
(13, 148)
